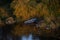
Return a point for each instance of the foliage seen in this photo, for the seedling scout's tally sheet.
(24, 10)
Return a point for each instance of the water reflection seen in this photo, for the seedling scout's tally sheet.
(24, 37)
(0, 33)
(29, 37)
(9, 37)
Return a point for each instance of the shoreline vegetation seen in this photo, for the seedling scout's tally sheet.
(46, 12)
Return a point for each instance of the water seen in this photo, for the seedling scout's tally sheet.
(1, 33)
(24, 37)
(9, 37)
(27, 38)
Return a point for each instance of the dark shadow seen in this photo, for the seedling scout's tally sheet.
(5, 2)
(38, 1)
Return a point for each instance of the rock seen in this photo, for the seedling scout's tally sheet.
(30, 21)
(10, 20)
